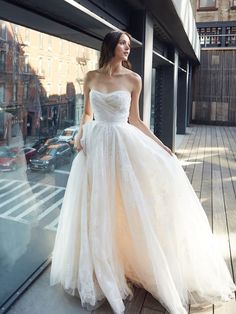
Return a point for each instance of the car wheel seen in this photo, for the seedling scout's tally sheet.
(52, 168)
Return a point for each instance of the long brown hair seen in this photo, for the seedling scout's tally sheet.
(109, 44)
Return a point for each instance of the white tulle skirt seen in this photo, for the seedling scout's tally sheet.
(130, 215)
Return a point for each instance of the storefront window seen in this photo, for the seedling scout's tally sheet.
(41, 102)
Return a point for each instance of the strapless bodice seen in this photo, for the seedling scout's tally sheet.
(110, 107)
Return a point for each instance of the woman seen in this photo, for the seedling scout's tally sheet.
(130, 215)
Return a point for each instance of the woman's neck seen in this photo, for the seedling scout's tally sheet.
(113, 68)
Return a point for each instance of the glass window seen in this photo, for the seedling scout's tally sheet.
(49, 43)
(59, 92)
(49, 67)
(26, 64)
(40, 40)
(25, 90)
(2, 93)
(40, 66)
(207, 3)
(3, 31)
(2, 61)
(233, 3)
(27, 36)
(15, 29)
(16, 62)
(14, 96)
(48, 98)
(48, 89)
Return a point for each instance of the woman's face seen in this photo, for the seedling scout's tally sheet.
(122, 49)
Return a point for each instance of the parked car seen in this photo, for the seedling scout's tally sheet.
(55, 155)
(68, 135)
(40, 142)
(11, 158)
(29, 152)
(42, 149)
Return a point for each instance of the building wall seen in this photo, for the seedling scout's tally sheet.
(224, 12)
(194, 7)
(214, 100)
(41, 75)
(214, 92)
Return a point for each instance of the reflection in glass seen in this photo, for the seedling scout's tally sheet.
(41, 102)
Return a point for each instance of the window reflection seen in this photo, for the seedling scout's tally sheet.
(41, 102)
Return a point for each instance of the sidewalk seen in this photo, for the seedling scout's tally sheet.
(208, 155)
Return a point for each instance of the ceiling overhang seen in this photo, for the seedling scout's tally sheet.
(88, 21)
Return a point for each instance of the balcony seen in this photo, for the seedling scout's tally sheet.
(217, 36)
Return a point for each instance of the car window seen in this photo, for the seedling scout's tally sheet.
(67, 133)
(51, 151)
(64, 147)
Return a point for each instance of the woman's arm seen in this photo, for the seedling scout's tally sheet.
(134, 117)
(87, 113)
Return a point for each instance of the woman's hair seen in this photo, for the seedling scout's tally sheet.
(109, 44)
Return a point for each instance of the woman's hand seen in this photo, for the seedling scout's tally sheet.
(77, 146)
(168, 150)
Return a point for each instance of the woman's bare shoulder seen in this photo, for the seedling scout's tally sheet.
(92, 74)
(135, 77)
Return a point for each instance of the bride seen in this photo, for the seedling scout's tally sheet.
(130, 215)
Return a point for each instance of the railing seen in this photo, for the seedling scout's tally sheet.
(217, 36)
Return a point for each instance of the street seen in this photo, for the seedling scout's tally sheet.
(33, 197)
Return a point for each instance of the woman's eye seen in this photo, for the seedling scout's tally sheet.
(124, 43)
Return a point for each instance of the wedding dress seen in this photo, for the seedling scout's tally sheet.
(130, 216)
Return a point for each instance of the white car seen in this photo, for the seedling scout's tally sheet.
(68, 135)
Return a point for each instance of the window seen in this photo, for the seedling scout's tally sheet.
(233, 4)
(49, 43)
(48, 89)
(206, 4)
(3, 34)
(2, 93)
(27, 36)
(15, 29)
(49, 67)
(14, 95)
(59, 89)
(28, 117)
(26, 64)
(2, 61)
(41, 40)
(40, 66)
(16, 62)
(26, 90)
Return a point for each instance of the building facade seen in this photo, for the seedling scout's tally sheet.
(41, 80)
(214, 96)
(46, 49)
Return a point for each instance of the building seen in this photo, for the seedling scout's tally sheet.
(214, 96)
(41, 80)
(165, 51)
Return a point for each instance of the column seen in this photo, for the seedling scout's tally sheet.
(166, 102)
(183, 80)
(141, 58)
